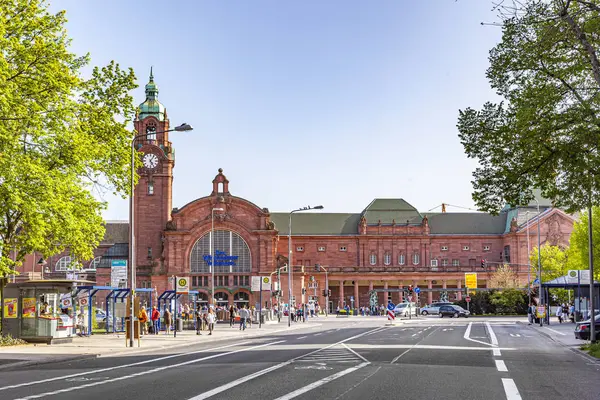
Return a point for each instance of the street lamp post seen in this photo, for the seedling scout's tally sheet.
(181, 128)
(528, 263)
(539, 258)
(290, 258)
(42, 263)
(212, 256)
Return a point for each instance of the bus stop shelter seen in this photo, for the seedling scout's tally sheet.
(581, 292)
(167, 297)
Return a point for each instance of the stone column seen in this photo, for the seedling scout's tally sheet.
(356, 302)
(459, 286)
(385, 294)
(400, 295)
(429, 294)
(342, 294)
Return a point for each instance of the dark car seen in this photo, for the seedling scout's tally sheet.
(453, 311)
(582, 329)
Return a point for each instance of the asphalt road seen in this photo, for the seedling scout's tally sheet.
(431, 359)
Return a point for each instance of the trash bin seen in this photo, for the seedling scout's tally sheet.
(179, 325)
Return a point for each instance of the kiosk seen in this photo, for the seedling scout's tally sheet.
(40, 311)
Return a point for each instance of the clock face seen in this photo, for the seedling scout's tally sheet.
(150, 161)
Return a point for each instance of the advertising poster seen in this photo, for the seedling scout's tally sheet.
(29, 307)
(10, 308)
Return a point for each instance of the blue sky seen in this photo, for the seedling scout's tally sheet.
(306, 102)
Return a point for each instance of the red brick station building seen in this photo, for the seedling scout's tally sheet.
(388, 244)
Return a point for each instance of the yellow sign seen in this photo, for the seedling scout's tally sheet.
(183, 284)
(10, 308)
(471, 281)
(541, 312)
(29, 307)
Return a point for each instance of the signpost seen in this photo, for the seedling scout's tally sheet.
(118, 273)
(390, 312)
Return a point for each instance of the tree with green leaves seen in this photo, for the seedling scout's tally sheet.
(554, 262)
(61, 135)
(545, 132)
(504, 278)
(578, 256)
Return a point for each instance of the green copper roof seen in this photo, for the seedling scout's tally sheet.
(151, 107)
(391, 210)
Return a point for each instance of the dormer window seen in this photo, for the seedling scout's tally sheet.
(299, 248)
(444, 248)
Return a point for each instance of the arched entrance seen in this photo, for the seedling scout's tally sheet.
(222, 299)
(202, 300)
(241, 299)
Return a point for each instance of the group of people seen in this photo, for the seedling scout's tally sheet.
(150, 323)
(564, 312)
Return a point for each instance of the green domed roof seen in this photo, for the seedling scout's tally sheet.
(151, 107)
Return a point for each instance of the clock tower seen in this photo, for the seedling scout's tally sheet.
(153, 192)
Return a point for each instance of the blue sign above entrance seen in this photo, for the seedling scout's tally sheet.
(221, 259)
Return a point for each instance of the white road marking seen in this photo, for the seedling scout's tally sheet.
(425, 346)
(317, 334)
(301, 337)
(414, 334)
(515, 335)
(493, 337)
(237, 382)
(401, 354)
(501, 366)
(151, 371)
(512, 393)
(344, 344)
(557, 332)
(496, 351)
(119, 366)
(467, 336)
(321, 382)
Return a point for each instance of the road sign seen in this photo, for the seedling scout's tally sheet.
(471, 280)
(417, 290)
(351, 298)
(255, 284)
(266, 283)
(409, 298)
(183, 284)
(541, 312)
(468, 299)
(391, 306)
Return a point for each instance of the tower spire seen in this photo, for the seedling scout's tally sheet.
(151, 75)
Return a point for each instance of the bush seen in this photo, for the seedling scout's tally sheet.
(510, 301)
(480, 303)
(592, 349)
(8, 340)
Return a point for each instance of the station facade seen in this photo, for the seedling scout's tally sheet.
(388, 244)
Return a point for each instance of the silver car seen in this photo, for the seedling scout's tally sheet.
(434, 308)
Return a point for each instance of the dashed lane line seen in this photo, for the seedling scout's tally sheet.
(501, 366)
(512, 393)
(302, 337)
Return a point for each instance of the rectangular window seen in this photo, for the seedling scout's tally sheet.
(401, 259)
(343, 248)
(487, 247)
(150, 253)
(206, 281)
(465, 248)
(444, 248)
(299, 248)
(150, 188)
(507, 254)
(416, 259)
(456, 263)
(321, 248)
(444, 262)
(434, 263)
(235, 280)
(246, 281)
(472, 262)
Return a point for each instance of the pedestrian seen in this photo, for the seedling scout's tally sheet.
(572, 313)
(530, 314)
(559, 313)
(231, 316)
(143, 318)
(243, 317)
(167, 319)
(198, 320)
(211, 318)
(155, 317)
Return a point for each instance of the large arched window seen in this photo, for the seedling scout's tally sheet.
(231, 254)
(64, 264)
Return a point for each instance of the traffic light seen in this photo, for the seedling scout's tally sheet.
(303, 291)
(324, 292)
(410, 290)
(329, 293)
(483, 263)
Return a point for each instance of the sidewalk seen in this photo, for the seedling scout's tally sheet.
(108, 345)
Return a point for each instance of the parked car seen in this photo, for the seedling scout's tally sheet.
(582, 329)
(434, 308)
(405, 309)
(100, 314)
(453, 311)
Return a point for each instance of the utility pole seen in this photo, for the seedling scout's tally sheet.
(591, 265)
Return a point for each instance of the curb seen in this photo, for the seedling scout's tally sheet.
(574, 348)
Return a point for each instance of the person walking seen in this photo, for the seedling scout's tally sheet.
(198, 320)
(211, 318)
(231, 316)
(167, 319)
(155, 316)
(243, 316)
(559, 313)
(143, 318)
